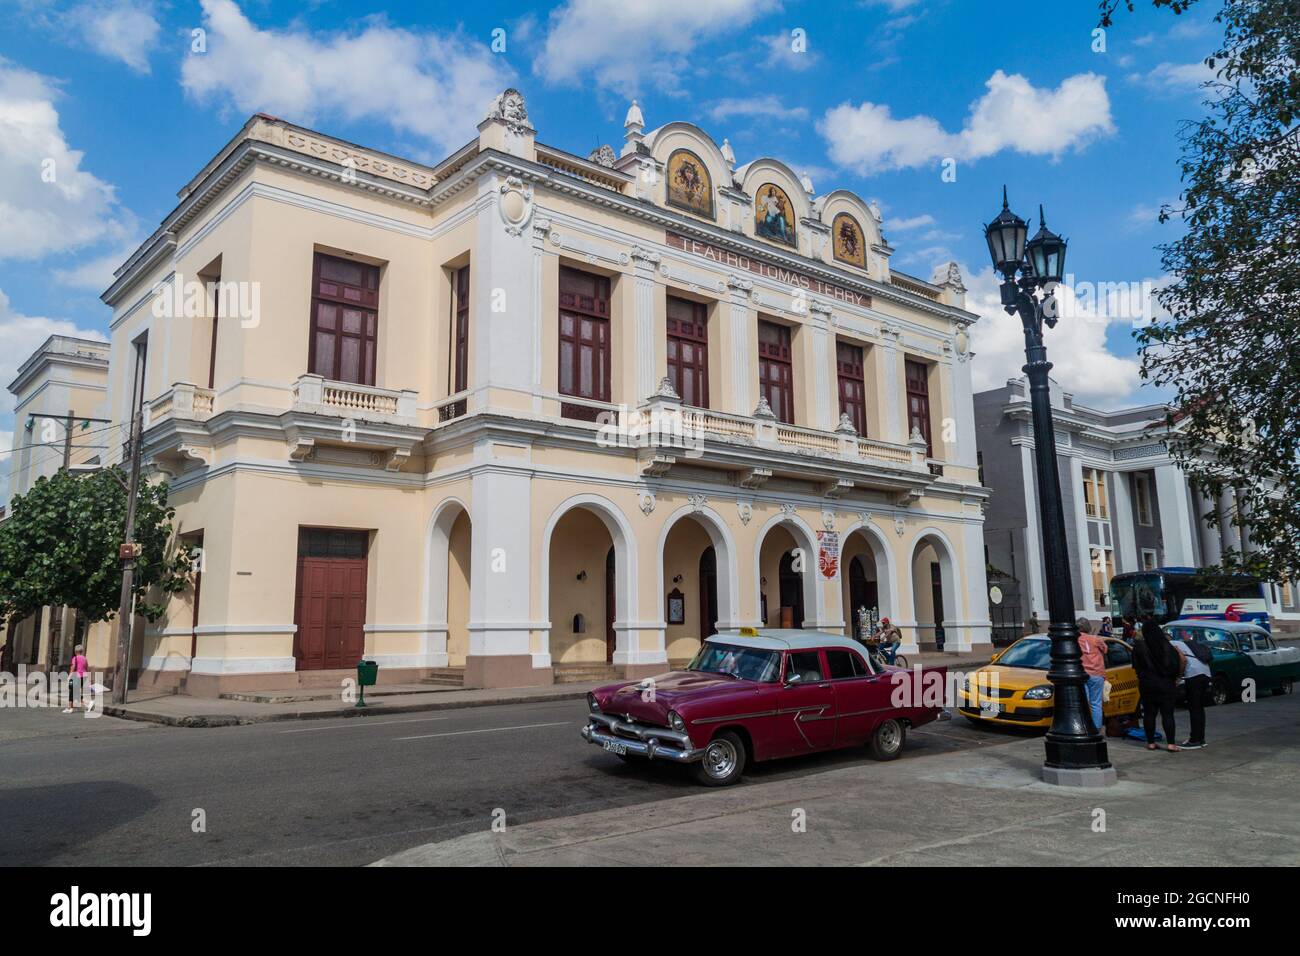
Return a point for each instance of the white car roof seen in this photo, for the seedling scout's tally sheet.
(1234, 626)
(785, 639)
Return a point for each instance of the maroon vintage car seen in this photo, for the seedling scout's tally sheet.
(759, 695)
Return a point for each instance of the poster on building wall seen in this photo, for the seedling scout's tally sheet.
(828, 553)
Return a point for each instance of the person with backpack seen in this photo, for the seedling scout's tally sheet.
(1159, 665)
(1196, 684)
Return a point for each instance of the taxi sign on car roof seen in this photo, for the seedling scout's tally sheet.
(749, 632)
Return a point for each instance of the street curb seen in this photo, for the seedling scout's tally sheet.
(371, 710)
(380, 707)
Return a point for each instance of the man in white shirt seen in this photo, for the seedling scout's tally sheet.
(1196, 683)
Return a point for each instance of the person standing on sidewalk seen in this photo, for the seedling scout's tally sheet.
(1158, 665)
(1196, 685)
(76, 679)
(1093, 650)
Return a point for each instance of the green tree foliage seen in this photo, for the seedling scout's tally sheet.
(59, 546)
(1230, 344)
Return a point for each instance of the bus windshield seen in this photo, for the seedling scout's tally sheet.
(1139, 595)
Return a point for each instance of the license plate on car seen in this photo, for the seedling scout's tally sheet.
(614, 747)
(990, 708)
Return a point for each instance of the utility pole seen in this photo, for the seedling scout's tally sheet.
(128, 553)
(67, 441)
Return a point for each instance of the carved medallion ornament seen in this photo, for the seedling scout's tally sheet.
(697, 502)
(516, 205)
(647, 502)
(746, 511)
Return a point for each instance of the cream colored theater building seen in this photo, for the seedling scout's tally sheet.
(526, 416)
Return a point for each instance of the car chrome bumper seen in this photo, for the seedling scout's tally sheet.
(653, 743)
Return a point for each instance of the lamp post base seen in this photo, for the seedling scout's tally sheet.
(1087, 777)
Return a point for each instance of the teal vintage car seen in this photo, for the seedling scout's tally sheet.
(1242, 651)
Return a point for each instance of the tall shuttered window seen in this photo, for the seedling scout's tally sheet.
(688, 350)
(776, 370)
(344, 320)
(918, 402)
(853, 384)
(584, 341)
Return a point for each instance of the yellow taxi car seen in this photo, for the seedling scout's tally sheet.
(1013, 690)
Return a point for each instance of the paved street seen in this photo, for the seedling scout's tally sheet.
(337, 792)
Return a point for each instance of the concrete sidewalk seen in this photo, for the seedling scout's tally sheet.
(1230, 804)
(181, 710)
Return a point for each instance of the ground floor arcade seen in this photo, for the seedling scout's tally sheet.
(510, 576)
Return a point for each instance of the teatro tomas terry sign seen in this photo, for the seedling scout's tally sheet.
(737, 260)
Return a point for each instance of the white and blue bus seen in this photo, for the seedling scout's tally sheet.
(1168, 594)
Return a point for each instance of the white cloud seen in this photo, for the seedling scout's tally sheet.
(48, 203)
(436, 86)
(768, 106)
(96, 274)
(781, 52)
(1174, 77)
(1077, 348)
(119, 29)
(629, 44)
(1012, 114)
(912, 222)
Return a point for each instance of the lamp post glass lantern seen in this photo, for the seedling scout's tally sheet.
(1076, 751)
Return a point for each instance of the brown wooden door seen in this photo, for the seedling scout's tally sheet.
(330, 602)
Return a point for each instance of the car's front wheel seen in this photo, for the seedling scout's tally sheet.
(1285, 687)
(723, 762)
(887, 742)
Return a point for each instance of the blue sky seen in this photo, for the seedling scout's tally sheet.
(877, 96)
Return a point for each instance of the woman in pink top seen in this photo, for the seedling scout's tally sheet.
(1093, 651)
(76, 679)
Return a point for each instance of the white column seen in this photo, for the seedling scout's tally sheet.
(1228, 534)
(739, 288)
(1126, 538)
(1034, 580)
(1172, 499)
(1212, 550)
(1084, 600)
(644, 263)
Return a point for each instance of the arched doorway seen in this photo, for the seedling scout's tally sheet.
(934, 591)
(586, 587)
(696, 580)
(866, 575)
(789, 582)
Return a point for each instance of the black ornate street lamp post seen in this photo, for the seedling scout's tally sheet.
(1076, 751)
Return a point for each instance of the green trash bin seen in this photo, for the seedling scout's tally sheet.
(367, 675)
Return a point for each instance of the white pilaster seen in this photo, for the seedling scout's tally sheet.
(1034, 580)
(962, 403)
(644, 263)
(500, 563)
(824, 416)
(504, 304)
(738, 333)
(1083, 600)
(894, 418)
(976, 628)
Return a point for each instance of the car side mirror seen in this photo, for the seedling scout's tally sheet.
(793, 678)
(994, 658)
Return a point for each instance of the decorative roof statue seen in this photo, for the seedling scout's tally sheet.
(950, 275)
(806, 182)
(509, 108)
(728, 154)
(604, 156)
